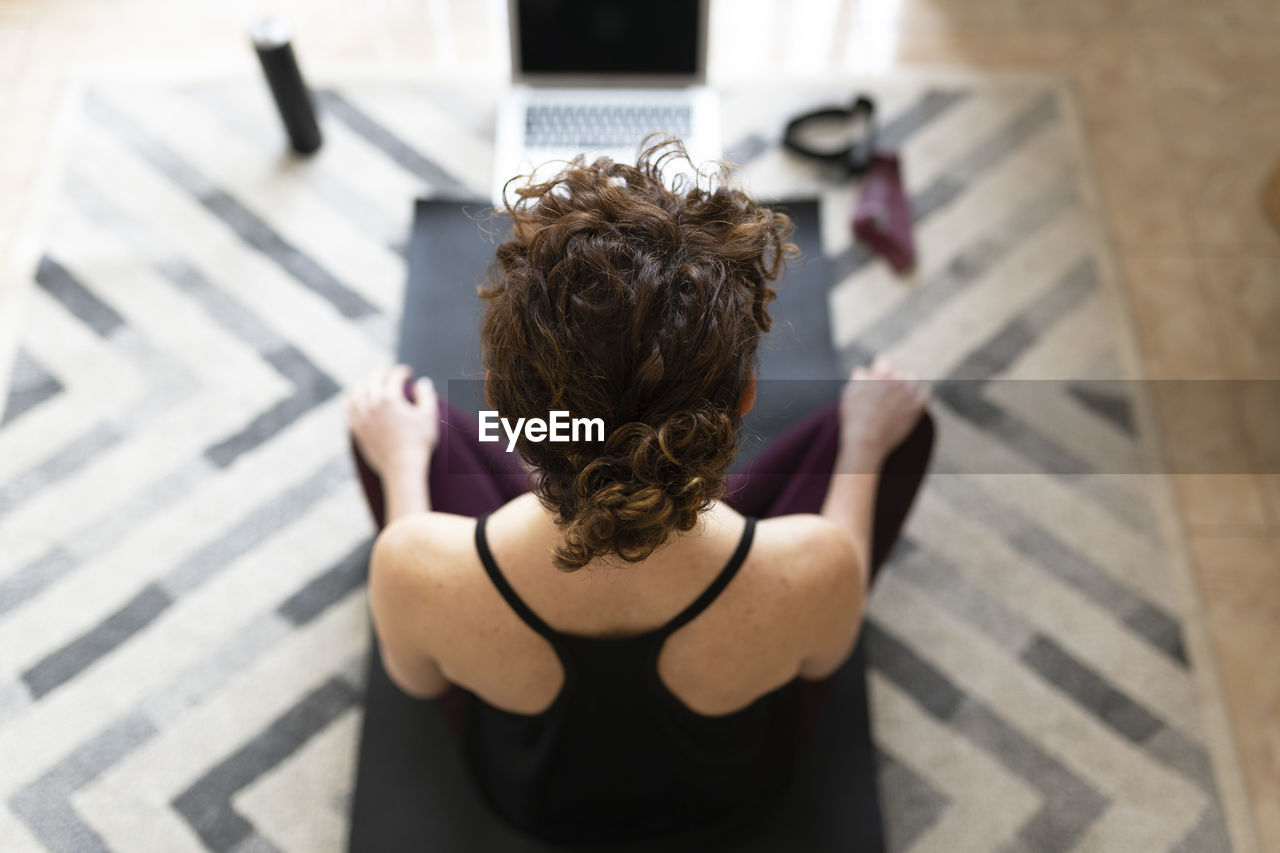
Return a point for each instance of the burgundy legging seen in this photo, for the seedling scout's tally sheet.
(468, 477)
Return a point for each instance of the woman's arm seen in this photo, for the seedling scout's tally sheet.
(396, 437)
(841, 591)
(404, 487)
(850, 503)
(878, 409)
(396, 602)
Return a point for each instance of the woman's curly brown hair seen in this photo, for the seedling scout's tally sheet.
(620, 298)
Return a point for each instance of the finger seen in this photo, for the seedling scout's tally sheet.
(381, 388)
(361, 395)
(424, 392)
(385, 390)
(402, 382)
(372, 384)
(393, 381)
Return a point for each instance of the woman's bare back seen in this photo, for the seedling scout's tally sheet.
(761, 631)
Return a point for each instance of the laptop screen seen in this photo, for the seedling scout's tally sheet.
(651, 38)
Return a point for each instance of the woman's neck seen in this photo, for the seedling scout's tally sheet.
(537, 527)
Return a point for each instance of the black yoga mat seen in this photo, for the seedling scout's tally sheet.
(412, 791)
(453, 245)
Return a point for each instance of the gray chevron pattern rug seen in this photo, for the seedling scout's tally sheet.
(182, 540)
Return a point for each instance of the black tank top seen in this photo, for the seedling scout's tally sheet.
(617, 755)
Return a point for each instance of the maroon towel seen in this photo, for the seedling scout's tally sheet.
(882, 217)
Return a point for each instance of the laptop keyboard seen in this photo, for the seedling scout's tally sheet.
(602, 125)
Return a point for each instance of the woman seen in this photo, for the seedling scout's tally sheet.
(631, 626)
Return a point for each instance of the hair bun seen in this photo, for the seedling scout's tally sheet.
(647, 484)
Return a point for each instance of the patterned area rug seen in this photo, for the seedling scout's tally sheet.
(182, 541)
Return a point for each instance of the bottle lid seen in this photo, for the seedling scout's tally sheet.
(270, 33)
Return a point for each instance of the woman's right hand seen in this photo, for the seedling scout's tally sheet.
(878, 408)
(390, 430)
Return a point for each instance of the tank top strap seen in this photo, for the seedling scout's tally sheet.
(681, 619)
(717, 586)
(495, 574)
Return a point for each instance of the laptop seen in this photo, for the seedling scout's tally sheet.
(596, 77)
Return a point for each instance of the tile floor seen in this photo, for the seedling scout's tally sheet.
(1182, 113)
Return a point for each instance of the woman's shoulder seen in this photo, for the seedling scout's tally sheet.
(426, 547)
(805, 553)
(804, 533)
(798, 587)
(440, 547)
(426, 530)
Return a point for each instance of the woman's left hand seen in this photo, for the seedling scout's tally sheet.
(392, 432)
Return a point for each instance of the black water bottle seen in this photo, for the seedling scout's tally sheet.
(272, 41)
